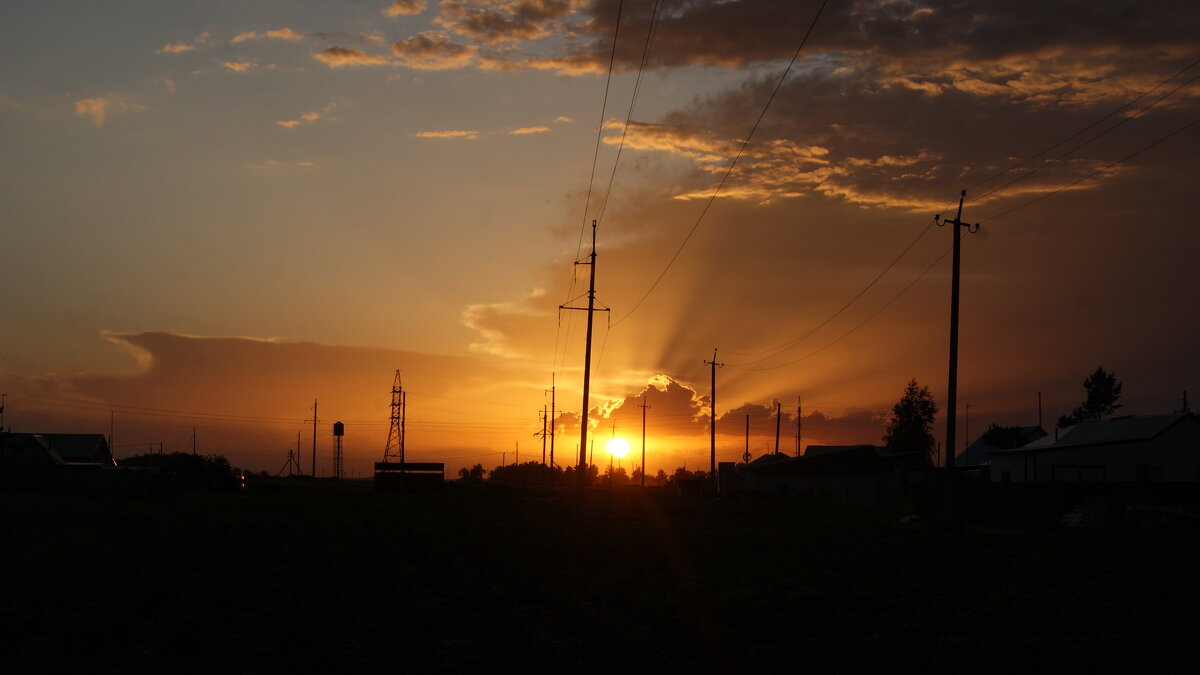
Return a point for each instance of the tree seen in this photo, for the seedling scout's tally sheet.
(912, 418)
(1103, 389)
(472, 475)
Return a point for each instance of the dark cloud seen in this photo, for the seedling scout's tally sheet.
(433, 50)
(497, 22)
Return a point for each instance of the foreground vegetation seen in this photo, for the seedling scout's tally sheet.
(295, 576)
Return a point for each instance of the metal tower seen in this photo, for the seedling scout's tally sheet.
(394, 450)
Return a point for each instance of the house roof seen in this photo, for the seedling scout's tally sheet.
(819, 450)
(1124, 429)
(979, 453)
(64, 448)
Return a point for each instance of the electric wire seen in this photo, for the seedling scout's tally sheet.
(1103, 133)
(1094, 173)
(774, 351)
(717, 191)
(860, 324)
(637, 86)
(1127, 104)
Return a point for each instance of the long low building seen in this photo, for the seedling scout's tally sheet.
(1163, 448)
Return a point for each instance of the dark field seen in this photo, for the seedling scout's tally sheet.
(335, 578)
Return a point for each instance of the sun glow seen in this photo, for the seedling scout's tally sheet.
(618, 447)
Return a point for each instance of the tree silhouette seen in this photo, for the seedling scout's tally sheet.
(1103, 389)
(912, 418)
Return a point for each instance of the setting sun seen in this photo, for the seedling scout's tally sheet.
(618, 447)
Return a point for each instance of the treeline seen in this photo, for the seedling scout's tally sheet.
(535, 473)
(185, 471)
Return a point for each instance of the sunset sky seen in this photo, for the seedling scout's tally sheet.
(215, 212)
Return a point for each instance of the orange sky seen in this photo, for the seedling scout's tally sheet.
(217, 213)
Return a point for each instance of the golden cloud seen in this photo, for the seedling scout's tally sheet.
(98, 109)
(468, 135)
(404, 8)
(523, 131)
(175, 48)
(278, 34)
(337, 57)
(238, 66)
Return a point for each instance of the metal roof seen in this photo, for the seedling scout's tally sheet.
(1114, 430)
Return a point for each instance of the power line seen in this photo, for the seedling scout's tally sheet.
(1090, 140)
(637, 86)
(861, 324)
(591, 178)
(812, 331)
(728, 171)
(1096, 172)
(1137, 98)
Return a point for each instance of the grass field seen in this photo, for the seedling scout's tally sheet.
(325, 577)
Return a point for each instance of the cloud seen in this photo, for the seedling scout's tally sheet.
(404, 8)
(238, 66)
(493, 321)
(468, 135)
(305, 118)
(563, 119)
(247, 395)
(100, 108)
(500, 21)
(175, 48)
(276, 164)
(524, 131)
(167, 85)
(286, 34)
(433, 50)
(180, 47)
(336, 57)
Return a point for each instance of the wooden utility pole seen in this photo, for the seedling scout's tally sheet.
(778, 420)
(553, 422)
(799, 416)
(952, 389)
(587, 359)
(643, 406)
(543, 434)
(314, 445)
(712, 426)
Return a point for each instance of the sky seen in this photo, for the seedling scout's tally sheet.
(216, 213)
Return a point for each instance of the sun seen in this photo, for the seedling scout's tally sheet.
(618, 447)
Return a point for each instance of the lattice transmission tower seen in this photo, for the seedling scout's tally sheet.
(394, 450)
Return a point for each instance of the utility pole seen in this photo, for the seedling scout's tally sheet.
(553, 422)
(778, 420)
(543, 435)
(799, 416)
(643, 406)
(314, 446)
(1040, 410)
(952, 389)
(587, 358)
(193, 441)
(712, 426)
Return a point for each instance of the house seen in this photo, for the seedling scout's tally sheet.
(1164, 448)
(979, 453)
(857, 476)
(57, 450)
